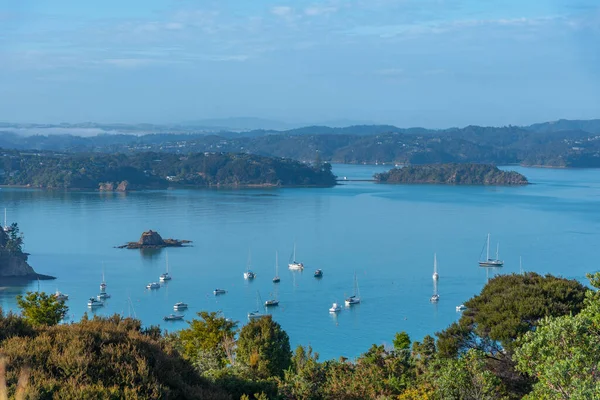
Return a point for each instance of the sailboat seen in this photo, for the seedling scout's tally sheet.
(295, 265)
(491, 262)
(103, 283)
(276, 278)
(6, 228)
(256, 314)
(165, 277)
(355, 298)
(249, 275)
(436, 297)
(435, 273)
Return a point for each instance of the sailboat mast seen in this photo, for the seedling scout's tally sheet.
(497, 250)
(488, 247)
(5, 225)
(520, 265)
(434, 263)
(167, 256)
(276, 264)
(294, 257)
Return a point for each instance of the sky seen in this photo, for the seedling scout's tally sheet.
(431, 63)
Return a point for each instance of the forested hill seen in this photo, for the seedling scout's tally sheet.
(558, 144)
(453, 174)
(150, 170)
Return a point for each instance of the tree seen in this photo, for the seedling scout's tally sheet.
(562, 353)
(401, 341)
(14, 243)
(264, 347)
(40, 308)
(206, 340)
(466, 378)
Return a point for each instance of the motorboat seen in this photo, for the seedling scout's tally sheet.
(61, 296)
(153, 285)
(435, 298)
(219, 291)
(255, 315)
(335, 308)
(180, 306)
(318, 273)
(173, 317)
(94, 303)
(271, 303)
(462, 307)
(103, 296)
(249, 275)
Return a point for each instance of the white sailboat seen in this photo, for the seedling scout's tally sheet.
(491, 262)
(435, 273)
(276, 279)
(335, 308)
(61, 296)
(165, 277)
(256, 314)
(295, 265)
(355, 298)
(249, 275)
(6, 228)
(103, 283)
(93, 303)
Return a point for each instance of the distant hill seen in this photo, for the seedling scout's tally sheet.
(451, 174)
(590, 126)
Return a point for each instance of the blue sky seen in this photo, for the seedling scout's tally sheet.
(432, 63)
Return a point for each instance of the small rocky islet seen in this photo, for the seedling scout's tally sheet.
(13, 261)
(152, 240)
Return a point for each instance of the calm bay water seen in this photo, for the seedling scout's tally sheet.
(386, 234)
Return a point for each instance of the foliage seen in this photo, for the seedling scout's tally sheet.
(264, 347)
(14, 240)
(401, 341)
(466, 378)
(507, 307)
(102, 358)
(204, 340)
(562, 354)
(455, 174)
(39, 308)
(145, 170)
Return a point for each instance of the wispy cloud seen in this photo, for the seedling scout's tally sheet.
(320, 10)
(390, 72)
(282, 11)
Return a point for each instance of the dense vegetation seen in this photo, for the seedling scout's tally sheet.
(454, 174)
(157, 170)
(524, 336)
(559, 144)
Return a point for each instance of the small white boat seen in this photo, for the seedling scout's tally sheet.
(491, 262)
(249, 275)
(319, 273)
(93, 303)
(295, 265)
(103, 296)
(173, 317)
(153, 285)
(355, 298)
(435, 273)
(435, 298)
(462, 307)
(180, 306)
(335, 308)
(219, 291)
(61, 296)
(165, 277)
(271, 303)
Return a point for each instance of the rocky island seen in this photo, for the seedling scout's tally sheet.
(13, 261)
(452, 174)
(152, 240)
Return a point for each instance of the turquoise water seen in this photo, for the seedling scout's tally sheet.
(387, 234)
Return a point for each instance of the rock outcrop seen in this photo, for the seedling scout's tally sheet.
(152, 240)
(113, 186)
(13, 264)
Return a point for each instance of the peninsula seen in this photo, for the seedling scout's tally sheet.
(151, 170)
(13, 261)
(452, 174)
(152, 240)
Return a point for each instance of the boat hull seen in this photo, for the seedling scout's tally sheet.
(491, 263)
(296, 266)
